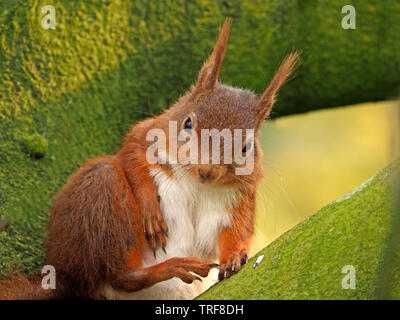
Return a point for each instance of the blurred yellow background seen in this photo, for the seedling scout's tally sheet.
(312, 159)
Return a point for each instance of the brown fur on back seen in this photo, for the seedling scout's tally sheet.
(94, 226)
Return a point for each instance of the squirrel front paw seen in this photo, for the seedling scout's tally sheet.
(189, 269)
(155, 228)
(231, 266)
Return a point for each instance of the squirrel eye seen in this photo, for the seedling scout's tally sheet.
(188, 124)
(247, 147)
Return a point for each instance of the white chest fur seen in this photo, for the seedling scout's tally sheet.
(195, 214)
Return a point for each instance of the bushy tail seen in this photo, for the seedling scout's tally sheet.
(20, 287)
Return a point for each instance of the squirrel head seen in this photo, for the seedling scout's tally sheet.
(212, 105)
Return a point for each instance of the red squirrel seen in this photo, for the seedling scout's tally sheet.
(122, 228)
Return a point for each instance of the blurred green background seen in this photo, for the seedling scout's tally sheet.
(314, 158)
(70, 94)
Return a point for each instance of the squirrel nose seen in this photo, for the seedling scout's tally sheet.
(205, 173)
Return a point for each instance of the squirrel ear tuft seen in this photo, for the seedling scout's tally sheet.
(267, 99)
(209, 73)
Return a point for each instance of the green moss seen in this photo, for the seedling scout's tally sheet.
(306, 262)
(36, 145)
(168, 41)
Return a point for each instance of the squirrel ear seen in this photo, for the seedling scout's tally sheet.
(209, 73)
(267, 99)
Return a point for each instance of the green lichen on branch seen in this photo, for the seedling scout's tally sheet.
(307, 261)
